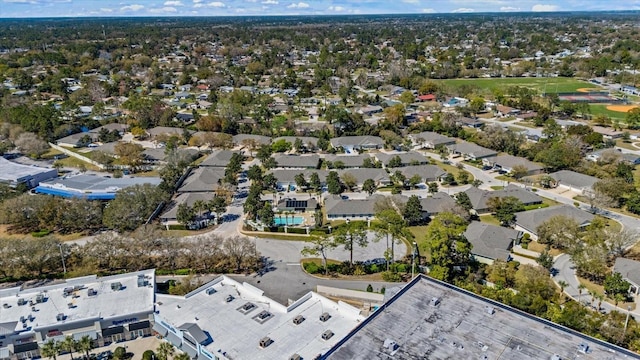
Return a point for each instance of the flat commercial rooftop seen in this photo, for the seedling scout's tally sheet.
(237, 333)
(91, 186)
(73, 300)
(462, 325)
(12, 171)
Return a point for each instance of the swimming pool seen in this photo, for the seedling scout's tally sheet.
(281, 220)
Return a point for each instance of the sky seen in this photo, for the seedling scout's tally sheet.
(79, 8)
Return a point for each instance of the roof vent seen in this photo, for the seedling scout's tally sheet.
(298, 319)
(116, 286)
(247, 308)
(556, 357)
(142, 281)
(40, 298)
(584, 348)
(211, 291)
(61, 317)
(392, 346)
(92, 292)
(22, 302)
(265, 341)
(229, 298)
(263, 316)
(295, 357)
(434, 301)
(489, 310)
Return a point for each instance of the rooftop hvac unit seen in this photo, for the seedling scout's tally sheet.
(490, 310)
(116, 286)
(142, 281)
(434, 301)
(211, 291)
(325, 316)
(248, 306)
(298, 319)
(229, 298)
(327, 335)
(92, 292)
(60, 317)
(40, 298)
(295, 357)
(265, 341)
(22, 302)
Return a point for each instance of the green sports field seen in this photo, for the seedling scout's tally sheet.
(540, 85)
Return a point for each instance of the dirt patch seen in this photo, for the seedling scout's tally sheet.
(586, 90)
(621, 108)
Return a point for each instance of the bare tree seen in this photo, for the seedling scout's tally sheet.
(31, 144)
(320, 245)
(239, 250)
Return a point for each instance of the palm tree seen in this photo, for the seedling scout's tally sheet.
(85, 344)
(563, 285)
(600, 299)
(580, 288)
(69, 344)
(164, 350)
(50, 349)
(593, 295)
(182, 356)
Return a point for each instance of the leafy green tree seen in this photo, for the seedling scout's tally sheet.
(392, 226)
(185, 214)
(560, 232)
(281, 146)
(505, 208)
(254, 173)
(407, 97)
(447, 246)
(264, 153)
(614, 284)
(301, 182)
(412, 211)
(334, 185)
(633, 118)
(266, 215)
(298, 145)
(148, 355)
(132, 207)
(395, 162)
(463, 200)
(545, 260)
(369, 186)
(314, 182)
(219, 207)
(433, 187)
(633, 203)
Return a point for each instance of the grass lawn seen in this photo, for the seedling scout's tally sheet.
(420, 237)
(4, 233)
(540, 85)
(626, 145)
(489, 219)
(454, 170)
(536, 246)
(528, 124)
(497, 187)
(77, 163)
(600, 109)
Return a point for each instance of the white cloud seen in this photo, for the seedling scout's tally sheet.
(336, 8)
(197, 1)
(165, 9)
(271, 2)
(173, 3)
(215, 4)
(300, 5)
(509, 8)
(411, 1)
(543, 7)
(21, 1)
(106, 10)
(463, 10)
(134, 7)
(429, 11)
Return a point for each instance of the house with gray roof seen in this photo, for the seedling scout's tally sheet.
(406, 158)
(630, 271)
(297, 204)
(337, 208)
(490, 242)
(346, 161)
(241, 139)
(573, 181)
(285, 161)
(480, 198)
(379, 176)
(430, 140)
(202, 179)
(427, 173)
(166, 131)
(357, 143)
(218, 158)
(436, 204)
(76, 140)
(508, 162)
(530, 220)
(470, 151)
